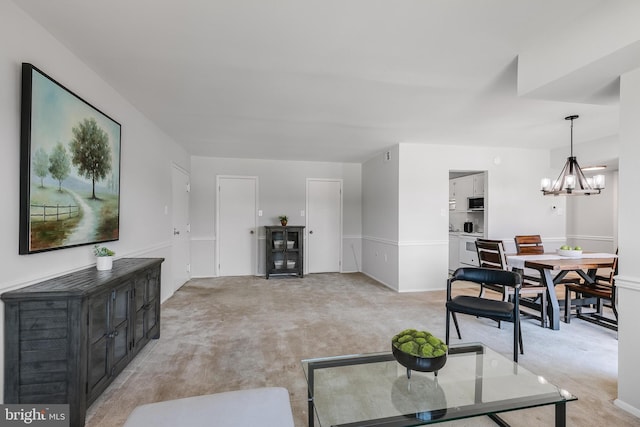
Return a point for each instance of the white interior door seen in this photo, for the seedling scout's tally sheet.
(237, 222)
(324, 225)
(180, 253)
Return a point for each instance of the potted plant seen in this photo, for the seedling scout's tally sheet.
(104, 257)
(283, 220)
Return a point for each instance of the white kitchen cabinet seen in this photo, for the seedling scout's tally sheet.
(454, 251)
(478, 185)
(464, 190)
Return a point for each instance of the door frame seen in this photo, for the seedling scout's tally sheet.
(217, 222)
(341, 214)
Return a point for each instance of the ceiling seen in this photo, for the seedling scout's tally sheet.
(326, 80)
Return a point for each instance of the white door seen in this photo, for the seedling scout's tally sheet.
(324, 225)
(236, 228)
(180, 254)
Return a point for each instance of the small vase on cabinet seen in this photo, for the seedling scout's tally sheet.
(104, 263)
(104, 257)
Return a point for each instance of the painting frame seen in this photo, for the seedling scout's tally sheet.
(70, 162)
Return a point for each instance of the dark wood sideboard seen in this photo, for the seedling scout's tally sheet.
(67, 338)
(285, 250)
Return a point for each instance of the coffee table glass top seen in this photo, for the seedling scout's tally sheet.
(475, 381)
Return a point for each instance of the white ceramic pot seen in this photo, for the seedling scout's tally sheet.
(104, 262)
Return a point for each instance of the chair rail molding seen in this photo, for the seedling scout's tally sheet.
(594, 238)
(380, 240)
(627, 282)
(423, 242)
(406, 242)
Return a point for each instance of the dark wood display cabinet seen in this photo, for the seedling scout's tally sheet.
(67, 338)
(285, 249)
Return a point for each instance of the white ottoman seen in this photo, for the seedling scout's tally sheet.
(264, 407)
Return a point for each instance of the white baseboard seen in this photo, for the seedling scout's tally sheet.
(379, 281)
(626, 407)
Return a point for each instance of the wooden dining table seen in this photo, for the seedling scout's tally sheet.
(553, 268)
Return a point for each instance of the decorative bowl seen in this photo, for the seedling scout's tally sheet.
(416, 363)
(569, 253)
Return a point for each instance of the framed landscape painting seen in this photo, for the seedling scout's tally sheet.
(69, 168)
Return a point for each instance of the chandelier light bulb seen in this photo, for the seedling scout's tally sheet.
(598, 182)
(570, 182)
(545, 184)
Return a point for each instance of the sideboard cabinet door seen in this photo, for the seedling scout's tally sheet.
(97, 362)
(109, 325)
(146, 297)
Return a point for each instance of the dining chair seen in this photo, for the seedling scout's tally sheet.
(529, 244)
(491, 254)
(604, 289)
(507, 311)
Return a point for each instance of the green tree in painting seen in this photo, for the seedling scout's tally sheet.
(59, 164)
(90, 151)
(40, 164)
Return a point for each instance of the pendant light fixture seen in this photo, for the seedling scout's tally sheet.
(571, 181)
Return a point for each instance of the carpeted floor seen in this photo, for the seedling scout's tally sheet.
(233, 333)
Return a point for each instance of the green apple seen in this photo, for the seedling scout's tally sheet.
(565, 247)
(577, 248)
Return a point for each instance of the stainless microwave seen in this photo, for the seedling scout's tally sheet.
(475, 203)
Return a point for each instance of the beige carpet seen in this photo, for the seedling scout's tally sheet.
(234, 333)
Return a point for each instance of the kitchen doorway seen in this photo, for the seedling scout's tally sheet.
(468, 210)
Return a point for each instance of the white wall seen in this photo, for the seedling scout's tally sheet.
(576, 61)
(147, 154)
(592, 221)
(628, 282)
(514, 204)
(380, 218)
(604, 150)
(281, 191)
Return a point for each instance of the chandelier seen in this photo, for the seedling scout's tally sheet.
(571, 181)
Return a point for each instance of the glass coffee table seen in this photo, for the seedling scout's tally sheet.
(375, 390)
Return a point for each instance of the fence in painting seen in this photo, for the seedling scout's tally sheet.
(51, 213)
